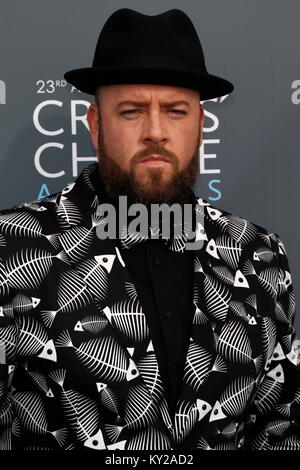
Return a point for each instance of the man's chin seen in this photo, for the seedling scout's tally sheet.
(151, 194)
(154, 187)
(154, 183)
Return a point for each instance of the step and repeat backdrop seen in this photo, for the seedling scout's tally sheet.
(249, 159)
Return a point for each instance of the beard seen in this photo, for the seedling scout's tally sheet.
(153, 186)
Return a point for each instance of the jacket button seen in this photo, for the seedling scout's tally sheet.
(156, 260)
(176, 367)
(168, 313)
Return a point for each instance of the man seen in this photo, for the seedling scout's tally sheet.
(140, 342)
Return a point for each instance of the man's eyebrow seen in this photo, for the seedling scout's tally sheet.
(144, 104)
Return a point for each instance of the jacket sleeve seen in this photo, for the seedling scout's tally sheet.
(8, 348)
(273, 420)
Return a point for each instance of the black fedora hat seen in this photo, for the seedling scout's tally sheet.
(162, 49)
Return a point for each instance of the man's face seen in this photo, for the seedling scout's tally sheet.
(147, 139)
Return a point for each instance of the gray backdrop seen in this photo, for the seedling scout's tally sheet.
(249, 157)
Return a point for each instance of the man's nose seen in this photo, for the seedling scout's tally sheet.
(153, 127)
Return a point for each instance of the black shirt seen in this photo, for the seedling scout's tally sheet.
(164, 282)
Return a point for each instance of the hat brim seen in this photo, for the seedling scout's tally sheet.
(89, 79)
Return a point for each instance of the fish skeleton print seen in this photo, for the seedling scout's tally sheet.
(78, 366)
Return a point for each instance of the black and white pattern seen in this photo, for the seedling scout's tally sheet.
(78, 366)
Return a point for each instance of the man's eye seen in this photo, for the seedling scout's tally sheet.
(129, 111)
(178, 111)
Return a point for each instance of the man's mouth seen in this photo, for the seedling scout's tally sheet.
(155, 160)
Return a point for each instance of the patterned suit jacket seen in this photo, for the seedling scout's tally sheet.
(78, 366)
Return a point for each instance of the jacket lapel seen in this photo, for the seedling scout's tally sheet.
(124, 313)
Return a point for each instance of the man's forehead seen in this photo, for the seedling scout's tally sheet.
(136, 92)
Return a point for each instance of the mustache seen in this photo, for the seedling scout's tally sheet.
(154, 150)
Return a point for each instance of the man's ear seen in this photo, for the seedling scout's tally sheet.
(93, 122)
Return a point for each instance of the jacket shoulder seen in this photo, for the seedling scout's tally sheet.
(234, 222)
(34, 205)
(29, 222)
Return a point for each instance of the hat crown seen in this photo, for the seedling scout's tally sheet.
(129, 35)
(162, 49)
